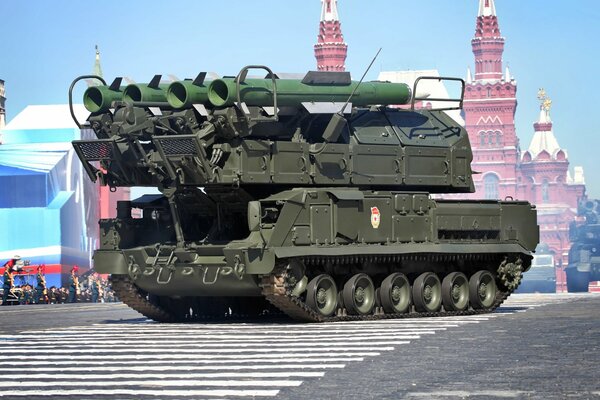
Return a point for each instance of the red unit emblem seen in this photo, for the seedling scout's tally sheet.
(375, 217)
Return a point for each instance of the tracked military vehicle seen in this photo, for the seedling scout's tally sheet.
(584, 255)
(306, 197)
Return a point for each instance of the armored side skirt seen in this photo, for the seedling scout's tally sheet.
(330, 225)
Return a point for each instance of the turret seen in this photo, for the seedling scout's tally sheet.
(324, 129)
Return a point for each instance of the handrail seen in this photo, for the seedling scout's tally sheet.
(439, 79)
(241, 77)
(79, 78)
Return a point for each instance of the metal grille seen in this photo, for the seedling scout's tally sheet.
(96, 150)
(179, 146)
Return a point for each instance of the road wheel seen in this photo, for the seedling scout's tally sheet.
(395, 294)
(427, 293)
(455, 292)
(321, 295)
(482, 290)
(577, 282)
(359, 295)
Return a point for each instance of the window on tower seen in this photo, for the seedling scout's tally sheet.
(490, 186)
(545, 192)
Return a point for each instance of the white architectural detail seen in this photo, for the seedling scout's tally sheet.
(578, 177)
(544, 117)
(329, 11)
(544, 139)
(487, 8)
(489, 120)
(507, 75)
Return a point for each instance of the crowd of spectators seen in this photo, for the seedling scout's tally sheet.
(26, 294)
(90, 288)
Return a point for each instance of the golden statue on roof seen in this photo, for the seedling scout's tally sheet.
(546, 103)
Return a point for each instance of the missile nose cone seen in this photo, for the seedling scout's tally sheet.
(423, 94)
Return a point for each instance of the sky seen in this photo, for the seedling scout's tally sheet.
(45, 44)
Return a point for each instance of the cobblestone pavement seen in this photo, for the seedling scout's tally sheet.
(535, 346)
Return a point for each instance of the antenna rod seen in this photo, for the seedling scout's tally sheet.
(338, 121)
(359, 82)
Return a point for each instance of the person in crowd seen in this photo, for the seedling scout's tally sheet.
(73, 285)
(26, 296)
(9, 281)
(59, 295)
(41, 292)
(64, 295)
(52, 294)
(110, 297)
(96, 288)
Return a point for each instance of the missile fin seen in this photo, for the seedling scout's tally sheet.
(154, 82)
(199, 81)
(116, 84)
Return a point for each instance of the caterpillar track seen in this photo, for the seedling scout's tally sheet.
(277, 291)
(165, 309)
(131, 295)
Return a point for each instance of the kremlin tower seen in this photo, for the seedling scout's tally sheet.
(541, 174)
(330, 50)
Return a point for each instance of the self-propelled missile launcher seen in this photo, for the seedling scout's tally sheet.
(308, 197)
(584, 255)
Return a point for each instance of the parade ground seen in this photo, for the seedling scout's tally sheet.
(534, 346)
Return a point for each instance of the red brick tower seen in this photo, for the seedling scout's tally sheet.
(541, 175)
(490, 105)
(330, 50)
